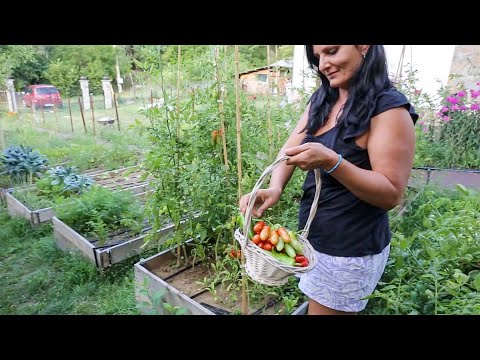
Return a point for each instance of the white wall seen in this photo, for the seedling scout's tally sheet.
(432, 63)
(302, 76)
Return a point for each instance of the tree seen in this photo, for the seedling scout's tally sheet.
(12, 56)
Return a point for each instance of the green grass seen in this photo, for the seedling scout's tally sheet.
(38, 278)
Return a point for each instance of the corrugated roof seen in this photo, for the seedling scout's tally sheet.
(285, 63)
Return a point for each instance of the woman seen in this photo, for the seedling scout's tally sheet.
(359, 130)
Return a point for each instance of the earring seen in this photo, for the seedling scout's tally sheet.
(363, 54)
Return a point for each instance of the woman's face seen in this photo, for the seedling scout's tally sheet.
(339, 62)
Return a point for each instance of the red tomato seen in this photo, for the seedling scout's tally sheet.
(234, 254)
(256, 239)
(265, 233)
(300, 258)
(258, 227)
(304, 263)
(274, 238)
(267, 246)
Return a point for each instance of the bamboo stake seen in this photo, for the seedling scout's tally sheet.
(56, 118)
(177, 125)
(239, 172)
(43, 115)
(277, 73)
(2, 135)
(116, 110)
(269, 116)
(220, 109)
(93, 115)
(133, 84)
(81, 112)
(70, 112)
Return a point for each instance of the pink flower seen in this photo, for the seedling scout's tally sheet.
(425, 129)
(446, 118)
(455, 108)
(452, 99)
(417, 92)
(463, 108)
(461, 93)
(445, 109)
(475, 107)
(421, 122)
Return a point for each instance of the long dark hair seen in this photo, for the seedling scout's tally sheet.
(370, 79)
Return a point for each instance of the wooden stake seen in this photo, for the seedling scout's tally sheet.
(116, 110)
(81, 112)
(70, 112)
(239, 173)
(43, 115)
(220, 108)
(56, 118)
(2, 135)
(93, 115)
(277, 73)
(177, 124)
(269, 117)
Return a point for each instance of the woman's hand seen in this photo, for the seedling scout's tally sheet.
(265, 199)
(311, 156)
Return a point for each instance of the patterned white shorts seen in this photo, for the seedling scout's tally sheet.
(339, 283)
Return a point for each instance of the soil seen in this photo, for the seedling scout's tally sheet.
(118, 237)
(188, 279)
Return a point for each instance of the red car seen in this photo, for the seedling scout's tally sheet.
(41, 95)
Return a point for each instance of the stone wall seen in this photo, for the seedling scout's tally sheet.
(466, 62)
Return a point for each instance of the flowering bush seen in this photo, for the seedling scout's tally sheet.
(450, 136)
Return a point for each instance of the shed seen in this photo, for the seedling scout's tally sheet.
(255, 81)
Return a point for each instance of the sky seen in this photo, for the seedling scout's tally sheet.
(432, 63)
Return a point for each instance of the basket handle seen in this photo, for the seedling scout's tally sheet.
(253, 196)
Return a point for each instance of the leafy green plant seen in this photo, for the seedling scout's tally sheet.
(66, 178)
(100, 211)
(434, 265)
(155, 304)
(22, 163)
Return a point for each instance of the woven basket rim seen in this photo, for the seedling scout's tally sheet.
(251, 246)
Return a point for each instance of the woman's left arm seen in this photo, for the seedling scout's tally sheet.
(391, 147)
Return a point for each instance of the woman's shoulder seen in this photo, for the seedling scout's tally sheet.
(392, 98)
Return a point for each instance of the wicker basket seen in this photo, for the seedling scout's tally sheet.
(262, 267)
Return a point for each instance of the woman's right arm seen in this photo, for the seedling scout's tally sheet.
(266, 198)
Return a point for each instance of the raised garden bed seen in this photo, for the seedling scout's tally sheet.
(3, 191)
(181, 288)
(118, 247)
(447, 178)
(128, 177)
(115, 180)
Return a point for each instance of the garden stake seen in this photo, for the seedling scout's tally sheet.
(81, 112)
(277, 74)
(116, 110)
(239, 172)
(56, 118)
(269, 117)
(177, 125)
(43, 116)
(70, 112)
(93, 115)
(220, 110)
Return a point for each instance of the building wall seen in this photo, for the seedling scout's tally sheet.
(251, 85)
(466, 62)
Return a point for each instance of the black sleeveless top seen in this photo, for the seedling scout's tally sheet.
(344, 225)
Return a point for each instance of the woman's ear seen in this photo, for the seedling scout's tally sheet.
(364, 49)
